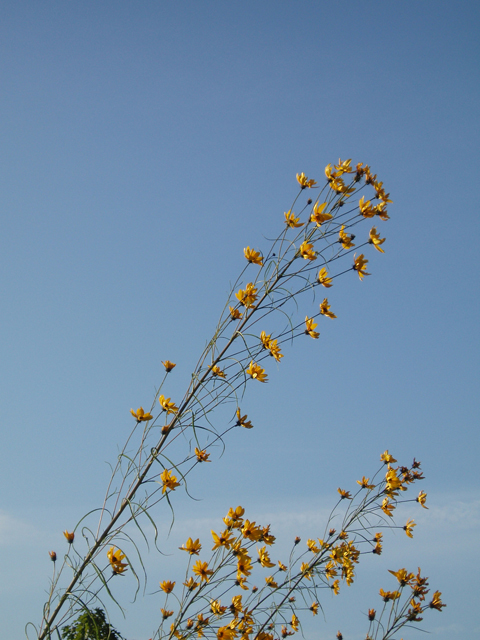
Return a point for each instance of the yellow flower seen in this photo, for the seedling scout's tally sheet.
(304, 182)
(115, 558)
(168, 365)
(387, 458)
(251, 531)
(408, 528)
(202, 571)
(371, 614)
(242, 420)
(275, 350)
(281, 566)
(344, 239)
(323, 278)
(166, 405)
(389, 595)
(310, 326)
(291, 221)
(140, 415)
(271, 582)
(335, 587)
(387, 507)
(225, 539)
(381, 211)
(314, 608)
(307, 252)
(422, 497)
(306, 570)
(253, 256)
(244, 566)
(312, 546)
(264, 558)
(265, 339)
(324, 309)
(169, 481)
(343, 167)
(240, 581)
(436, 603)
(364, 483)
(318, 216)
(256, 372)
(344, 495)
(192, 547)
(360, 265)
(376, 240)
(202, 455)
(329, 173)
(226, 633)
(167, 586)
(216, 371)
(295, 622)
(235, 313)
(166, 614)
(366, 208)
(403, 576)
(216, 608)
(190, 583)
(377, 549)
(69, 536)
(247, 297)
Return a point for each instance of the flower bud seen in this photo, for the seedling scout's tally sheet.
(53, 555)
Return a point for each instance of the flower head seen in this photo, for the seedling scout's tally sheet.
(192, 547)
(248, 296)
(202, 571)
(304, 182)
(408, 528)
(376, 240)
(344, 239)
(344, 494)
(216, 371)
(202, 455)
(422, 497)
(310, 325)
(235, 313)
(364, 483)
(387, 507)
(166, 405)
(254, 257)
(360, 266)
(307, 252)
(140, 415)
(325, 309)
(69, 536)
(115, 557)
(256, 372)
(169, 481)
(168, 365)
(53, 556)
(323, 278)
(242, 420)
(264, 558)
(318, 216)
(291, 221)
(167, 586)
(387, 458)
(366, 208)
(436, 603)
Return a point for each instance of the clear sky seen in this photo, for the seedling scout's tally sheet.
(143, 146)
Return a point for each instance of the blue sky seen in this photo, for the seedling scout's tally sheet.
(144, 145)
